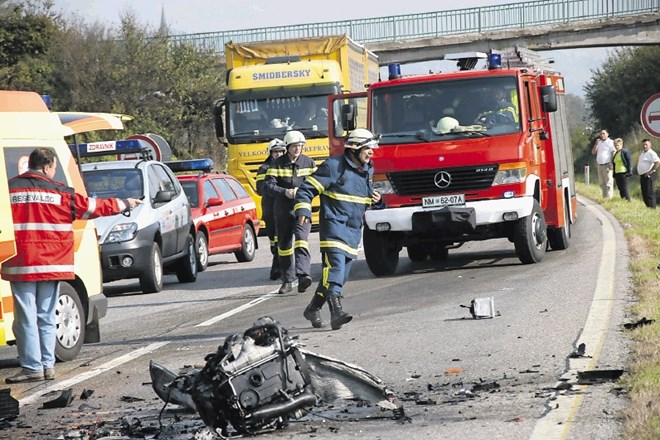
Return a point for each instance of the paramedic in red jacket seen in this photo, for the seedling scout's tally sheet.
(43, 212)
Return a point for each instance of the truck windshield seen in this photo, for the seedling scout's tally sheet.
(449, 109)
(257, 120)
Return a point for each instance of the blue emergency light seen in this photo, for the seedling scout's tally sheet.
(180, 166)
(107, 148)
(494, 61)
(394, 71)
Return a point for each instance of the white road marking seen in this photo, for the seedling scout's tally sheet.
(58, 386)
(557, 423)
(239, 309)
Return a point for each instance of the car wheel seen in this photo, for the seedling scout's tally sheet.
(417, 253)
(202, 250)
(381, 254)
(248, 246)
(186, 267)
(69, 323)
(151, 280)
(439, 253)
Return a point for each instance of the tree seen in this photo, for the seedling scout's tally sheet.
(618, 90)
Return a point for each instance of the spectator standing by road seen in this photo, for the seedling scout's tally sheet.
(345, 185)
(276, 149)
(622, 168)
(647, 165)
(43, 212)
(282, 181)
(604, 150)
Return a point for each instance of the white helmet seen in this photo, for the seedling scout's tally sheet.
(294, 137)
(276, 145)
(359, 138)
(446, 125)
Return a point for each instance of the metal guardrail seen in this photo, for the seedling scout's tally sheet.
(435, 24)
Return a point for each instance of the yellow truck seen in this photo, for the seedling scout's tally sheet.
(26, 123)
(276, 86)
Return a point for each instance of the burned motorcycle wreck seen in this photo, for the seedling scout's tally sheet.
(259, 380)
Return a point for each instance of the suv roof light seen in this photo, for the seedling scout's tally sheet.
(108, 148)
(179, 166)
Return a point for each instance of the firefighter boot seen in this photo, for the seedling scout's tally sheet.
(337, 316)
(312, 312)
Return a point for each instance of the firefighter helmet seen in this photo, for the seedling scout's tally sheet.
(445, 125)
(294, 137)
(276, 145)
(360, 138)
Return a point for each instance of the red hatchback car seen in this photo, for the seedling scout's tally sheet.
(224, 214)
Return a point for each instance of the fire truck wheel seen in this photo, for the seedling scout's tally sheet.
(151, 280)
(381, 252)
(530, 236)
(248, 246)
(417, 253)
(202, 249)
(186, 267)
(558, 237)
(70, 323)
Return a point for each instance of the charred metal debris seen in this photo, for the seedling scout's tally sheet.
(258, 381)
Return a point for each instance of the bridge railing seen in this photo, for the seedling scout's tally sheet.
(435, 24)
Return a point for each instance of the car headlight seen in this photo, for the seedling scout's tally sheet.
(383, 186)
(122, 232)
(510, 173)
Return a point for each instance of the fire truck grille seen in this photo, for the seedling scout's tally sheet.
(443, 180)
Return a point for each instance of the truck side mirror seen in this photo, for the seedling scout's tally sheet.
(549, 99)
(348, 116)
(217, 119)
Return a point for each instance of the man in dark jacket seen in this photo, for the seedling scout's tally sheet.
(43, 212)
(276, 149)
(282, 181)
(345, 185)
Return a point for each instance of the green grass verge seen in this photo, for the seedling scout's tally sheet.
(641, 226)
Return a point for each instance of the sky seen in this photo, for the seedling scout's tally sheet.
(193, 16)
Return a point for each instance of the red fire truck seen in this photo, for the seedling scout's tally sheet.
(467, 155)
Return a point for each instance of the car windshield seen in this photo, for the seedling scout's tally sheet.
(257, 120)
(449, 109)
(114, 183)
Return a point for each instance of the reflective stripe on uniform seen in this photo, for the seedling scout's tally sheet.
(334, 244)
(53, 227)
(315, 183)
(301, 244)
(91, 207)
(348, 198)
(23, 270)
(298, 206)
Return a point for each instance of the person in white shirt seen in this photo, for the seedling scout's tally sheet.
(647, 164)
(604, 151)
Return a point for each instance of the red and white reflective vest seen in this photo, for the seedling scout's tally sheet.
(43, 212)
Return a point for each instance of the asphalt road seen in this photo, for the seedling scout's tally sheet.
(510, 377)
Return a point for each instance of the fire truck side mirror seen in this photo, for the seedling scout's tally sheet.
(549, 99)
(217, 119)
(348, 116)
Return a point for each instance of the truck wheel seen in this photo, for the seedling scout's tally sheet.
(530, 236)
(186, 267)
(559, 237)
(69, 323)
(382, 258)
(248, 246)
(439, 253)
(151, 280)
(202, 250)
(417, 253)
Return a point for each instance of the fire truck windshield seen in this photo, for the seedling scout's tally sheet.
(426, 111)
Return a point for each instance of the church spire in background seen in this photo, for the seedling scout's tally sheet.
(163, 23)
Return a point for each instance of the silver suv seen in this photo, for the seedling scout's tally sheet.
(157, 237)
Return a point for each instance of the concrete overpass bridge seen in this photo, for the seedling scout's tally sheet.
(539, 25)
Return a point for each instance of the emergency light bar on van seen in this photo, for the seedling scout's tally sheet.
(106, 148)
(179, 166)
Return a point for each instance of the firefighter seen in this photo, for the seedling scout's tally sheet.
(276, 149)
(499, 110)
(344, 184)
(282, 181)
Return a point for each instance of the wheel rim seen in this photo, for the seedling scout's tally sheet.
(192, 257)
(158, 269)
(538, 231)
(249, 241)
(68, 322)
(202, 251)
